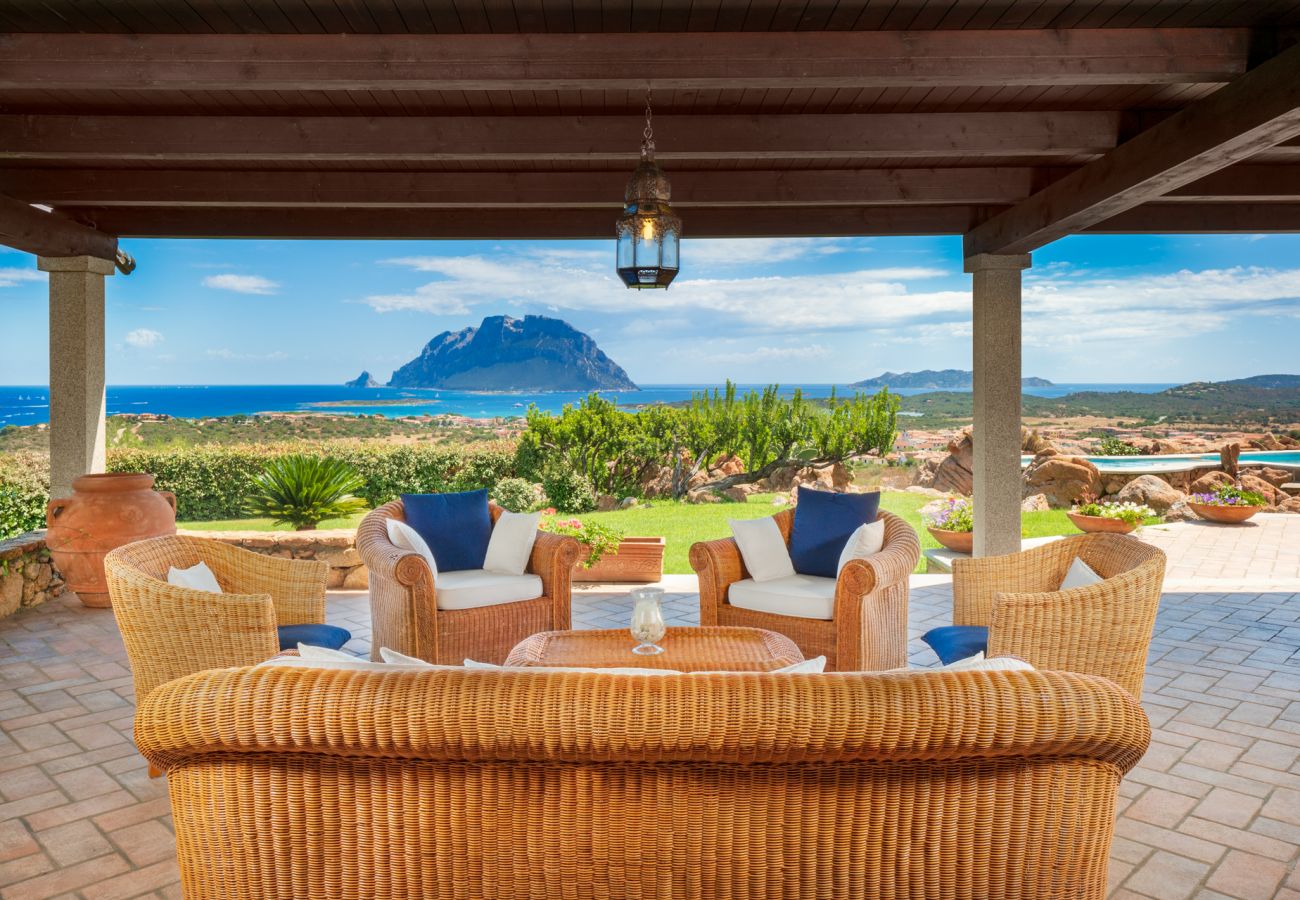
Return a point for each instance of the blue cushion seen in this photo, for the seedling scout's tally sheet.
(953, 642)
(457, 527)
(313, 635)
(823, 523)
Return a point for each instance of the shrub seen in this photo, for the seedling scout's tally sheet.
(24, 491)
(303, 491)
(514, 494)
(1113, 446)
(569, 491)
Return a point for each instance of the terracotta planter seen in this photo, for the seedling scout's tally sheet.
(104, 513)
(956, 541)
(639, 560)
(1230, 515)
(1093, 524)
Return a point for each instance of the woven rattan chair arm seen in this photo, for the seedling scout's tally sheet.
(383, 558)
(553, 559)
(718, 565)
(734, 718)
(894, 563)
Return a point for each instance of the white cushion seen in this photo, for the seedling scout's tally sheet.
(472, 664)
(762, 548)
(472, 588)
(401, 659)
(868, 540)
(309, 651)
(197, 577)
(816, 664)
(1080, 575)
(979, 663)
(405, 537)
(801, 596)
(511, 543)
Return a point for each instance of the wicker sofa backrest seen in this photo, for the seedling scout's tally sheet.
(458, 783)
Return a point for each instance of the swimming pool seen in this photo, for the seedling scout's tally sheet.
(1284, 459)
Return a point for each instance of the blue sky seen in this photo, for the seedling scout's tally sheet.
(1138, 308)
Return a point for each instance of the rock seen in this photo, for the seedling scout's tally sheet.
(357, 579)
(953, 476)
(340, 557)
(1165, 447)
(334, 579)
(1154, 492)
(627, 503)
(728, 466)
(736, 494)
(698, 480)
(702, 496)
(1180, 512)
(923, 474)
(1035, 503)
(11, 594)
(1267, 442)
(606, 503)
(841, 477)
(923, 491)
(789, 477)
(658, 482)
(1061, 479)
(764, 485)
(1210, 482)
(1275, 477)
(1290, 504)
(1033, 442)
(1251, 482)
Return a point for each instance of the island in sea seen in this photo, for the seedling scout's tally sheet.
(364, 380)
(935, 380)
(535, 353)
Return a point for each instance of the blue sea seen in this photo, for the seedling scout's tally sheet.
(31, 405)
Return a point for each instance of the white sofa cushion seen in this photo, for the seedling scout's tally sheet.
(1080, 574)
(762, 548)
(472, 588)
(868, 540)
(809, 666)
(801, 596)
(405, 537)
(511, 543)
(197, 577)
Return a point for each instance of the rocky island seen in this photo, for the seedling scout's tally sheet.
(535, 353)
(935, 380)
(364, 380)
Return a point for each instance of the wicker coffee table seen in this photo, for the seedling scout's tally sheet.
(711, 649)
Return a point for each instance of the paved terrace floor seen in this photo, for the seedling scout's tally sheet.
(1212, 811)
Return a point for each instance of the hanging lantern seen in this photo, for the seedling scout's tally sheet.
(648, 231)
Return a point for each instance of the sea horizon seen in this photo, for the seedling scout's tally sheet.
(29, 404)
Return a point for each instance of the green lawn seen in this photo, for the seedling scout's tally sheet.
(684, 523)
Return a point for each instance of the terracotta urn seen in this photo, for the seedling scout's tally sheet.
(1230, 515)
(956, 541)
(1093, 524)
(104, 512)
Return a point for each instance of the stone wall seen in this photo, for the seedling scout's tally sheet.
(27, 577)
(337, 547)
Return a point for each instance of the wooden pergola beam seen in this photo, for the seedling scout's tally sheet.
(703, 222)
(1258, 110)
(572, 62)
(346, 138)
(24, 227)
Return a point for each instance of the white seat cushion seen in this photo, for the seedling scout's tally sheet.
(472, 588)
(801, 596)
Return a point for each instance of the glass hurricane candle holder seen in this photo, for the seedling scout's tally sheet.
(648, 620)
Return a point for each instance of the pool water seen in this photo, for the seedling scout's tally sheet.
(1286, 459)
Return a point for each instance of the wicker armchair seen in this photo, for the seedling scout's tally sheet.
(484, 784)
(1103, 629)
(868, 631)
(404, 613)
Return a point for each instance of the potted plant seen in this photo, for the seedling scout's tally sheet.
(953, 524)
(1117, 518)
(1229, 504)
(611, 556)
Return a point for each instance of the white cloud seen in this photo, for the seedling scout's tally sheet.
(241, 284)
(13, 276)
(228, 354)
(709, 252)
(772, 354)
(143, 337)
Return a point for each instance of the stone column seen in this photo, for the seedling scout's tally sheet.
(996, 346)
(76, 367)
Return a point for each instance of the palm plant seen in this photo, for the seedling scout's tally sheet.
(302, 491)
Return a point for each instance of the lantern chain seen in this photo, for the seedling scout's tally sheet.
(648, 135)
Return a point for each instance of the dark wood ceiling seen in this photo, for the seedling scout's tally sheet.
(492, 118)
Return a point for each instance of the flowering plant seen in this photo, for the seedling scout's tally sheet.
(1230, 495)
(1131, 513)
(598, 539)
(954, 514)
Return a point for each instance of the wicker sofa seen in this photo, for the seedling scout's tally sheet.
(489, 784)
(868, 628)
(404, 609)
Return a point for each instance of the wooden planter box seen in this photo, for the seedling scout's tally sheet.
(639, 560)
